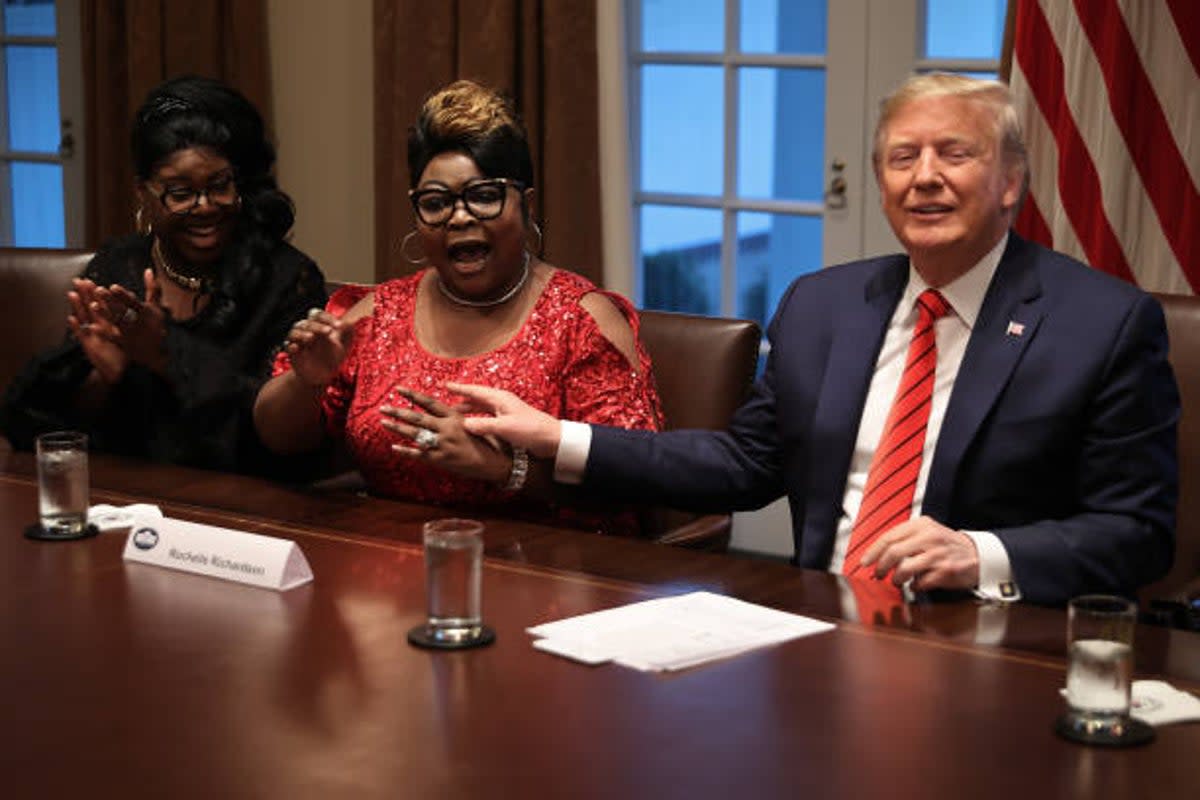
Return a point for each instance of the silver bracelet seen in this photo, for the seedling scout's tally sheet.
(520, 470)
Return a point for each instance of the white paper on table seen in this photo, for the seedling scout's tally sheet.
(1160, 703)
(672, 633)
(122, 518)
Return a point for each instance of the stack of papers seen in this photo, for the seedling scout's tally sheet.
(672, 632)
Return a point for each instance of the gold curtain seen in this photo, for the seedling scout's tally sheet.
(130, 46)
(543, 53)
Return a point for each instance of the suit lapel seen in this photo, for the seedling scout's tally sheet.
(1007, 323)
(854, 348)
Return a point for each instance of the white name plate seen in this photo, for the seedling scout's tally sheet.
(218, 552)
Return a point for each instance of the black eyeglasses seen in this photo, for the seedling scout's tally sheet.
(182, 200)
(483, 200)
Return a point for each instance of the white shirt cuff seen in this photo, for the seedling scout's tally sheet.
(574, 442)
(995, 571)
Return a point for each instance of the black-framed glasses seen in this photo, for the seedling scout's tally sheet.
(182, 200)
(483, 199)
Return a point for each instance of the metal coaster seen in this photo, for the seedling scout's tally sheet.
(420, 637)
(36, 531)
(1129, 732)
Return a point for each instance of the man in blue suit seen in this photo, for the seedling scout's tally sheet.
(1048, 467)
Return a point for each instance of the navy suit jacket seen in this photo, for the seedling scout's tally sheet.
(1061, 439)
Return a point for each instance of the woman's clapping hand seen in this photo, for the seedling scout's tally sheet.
(317, 345)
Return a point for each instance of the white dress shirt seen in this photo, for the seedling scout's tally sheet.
(965, 296)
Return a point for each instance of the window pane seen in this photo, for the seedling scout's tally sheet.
(681, 259)
(29, 17)
(964, 28)
(772, 250)
(681, 148)
(33, 123)
(37, 204)
(781, 133)
(693, 26)
(783, 26)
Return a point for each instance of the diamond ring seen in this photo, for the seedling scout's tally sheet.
(130, 316)
(426, 439)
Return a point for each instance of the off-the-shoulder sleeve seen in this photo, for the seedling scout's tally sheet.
(600, 385)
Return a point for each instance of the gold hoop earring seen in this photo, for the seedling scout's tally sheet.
(404, 250)
(142, 226)
(541, 241)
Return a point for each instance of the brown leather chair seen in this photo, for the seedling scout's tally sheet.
(703, 367)
(33, 302)
(1183, 329)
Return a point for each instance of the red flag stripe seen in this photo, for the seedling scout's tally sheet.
(1125, 197)
(1078, 182)
(1187, 22)
(1141, 120)
(1162, 49)
(1030, 222)
(1043, 173)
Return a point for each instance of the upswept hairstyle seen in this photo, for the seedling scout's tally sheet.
(993, 95)
(471, 118)
(192, 111)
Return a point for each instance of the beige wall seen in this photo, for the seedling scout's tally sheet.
(321, 79)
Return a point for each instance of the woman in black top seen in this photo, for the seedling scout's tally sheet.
(173, 330)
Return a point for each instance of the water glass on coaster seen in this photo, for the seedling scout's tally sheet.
(1100, 673)
(453, 578)
(62, 470)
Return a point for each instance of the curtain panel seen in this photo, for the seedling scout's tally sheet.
(542, 53)
(130, 46)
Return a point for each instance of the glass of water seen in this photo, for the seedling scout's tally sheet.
(453, 586)
(1100, 671)
(62, 469)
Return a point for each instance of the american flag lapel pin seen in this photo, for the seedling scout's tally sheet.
(1015, 328)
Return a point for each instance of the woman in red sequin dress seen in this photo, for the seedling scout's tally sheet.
(486, 311)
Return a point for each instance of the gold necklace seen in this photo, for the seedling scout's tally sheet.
(189, 282)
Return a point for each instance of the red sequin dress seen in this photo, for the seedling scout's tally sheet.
(558, 361)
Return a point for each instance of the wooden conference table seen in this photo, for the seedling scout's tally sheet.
(126, 680)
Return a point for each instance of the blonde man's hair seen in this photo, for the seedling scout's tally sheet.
(992, 95)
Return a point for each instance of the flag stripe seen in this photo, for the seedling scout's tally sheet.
(1171, 73)
(1141, 120)
(1126, 204)
(1030, 221)
(1078, 182)
(1043, 173)
(1187, 18)
(1109, 97)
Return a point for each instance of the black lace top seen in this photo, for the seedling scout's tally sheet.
(200, 413)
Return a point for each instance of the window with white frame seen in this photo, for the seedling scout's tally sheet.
(40, 144)
(733, 165)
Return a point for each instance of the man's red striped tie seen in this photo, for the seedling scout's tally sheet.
(892, 479)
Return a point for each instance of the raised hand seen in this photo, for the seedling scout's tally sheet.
(439, 436)
(91, 324)
(317, 346)
(141, 323)
(512, 419)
